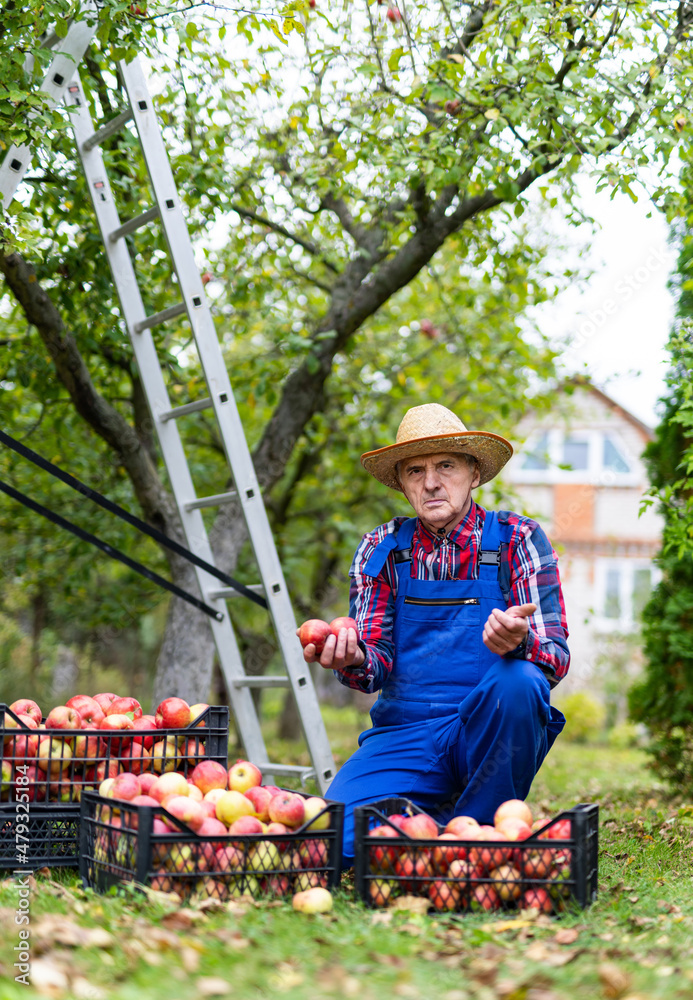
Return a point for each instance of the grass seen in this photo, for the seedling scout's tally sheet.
(634, 942)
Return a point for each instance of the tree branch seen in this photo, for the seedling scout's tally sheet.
(276, 227)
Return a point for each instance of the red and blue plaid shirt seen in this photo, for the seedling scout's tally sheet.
(529, 575)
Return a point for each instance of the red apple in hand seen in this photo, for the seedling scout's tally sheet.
(339, 623)
(314, 632)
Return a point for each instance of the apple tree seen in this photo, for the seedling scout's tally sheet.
(367, 191)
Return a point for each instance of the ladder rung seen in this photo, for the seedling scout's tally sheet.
(303, 772)
(262, 682)
(160, 317)
(107, 130)
(133, 224)
(212, 501)
(227, 592)
(180, 411)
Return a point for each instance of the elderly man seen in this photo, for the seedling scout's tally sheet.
(461, 629)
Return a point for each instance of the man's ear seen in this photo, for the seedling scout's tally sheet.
(477, 477)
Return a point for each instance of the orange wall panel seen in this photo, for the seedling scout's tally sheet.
(573, 512)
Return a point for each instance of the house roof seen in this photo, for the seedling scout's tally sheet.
(646, 432)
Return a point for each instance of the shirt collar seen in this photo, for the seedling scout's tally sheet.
(459, 535)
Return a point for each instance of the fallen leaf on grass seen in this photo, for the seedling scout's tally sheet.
(615, 981)
(161, 937)
(182, 920)
(47, 978)
(508, 925)
(190, 960)
(567, 935)
(415, 904)
(539, 951)
(82, 989)
(285, 978)
(57, 930)
(212, 986)
(377, 918)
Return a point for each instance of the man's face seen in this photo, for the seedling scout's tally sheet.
(439, 488)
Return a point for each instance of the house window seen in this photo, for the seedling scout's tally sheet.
(623, 590)
(538, 457)
(575, 453)
(612, 457)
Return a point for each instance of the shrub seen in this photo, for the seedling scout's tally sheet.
(585, 716)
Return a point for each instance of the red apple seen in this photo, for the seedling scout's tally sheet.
(383, 857)
(125, 706)
(99, 772)
(514, 828)
(89, 709)
(560, 830)
(164, 755)
(63, 717)
(260, 797)
(537, 899)
(490, 857)
(507, 881)
(33, 781)
(314, 632)
(313, 853)
(246, 825)
(168, 784)
(380, 890)
(337, 624)
(126, 786)
(393, 15)
(104, 700)
(230, 859)
(147, 779)
(25, 706)
(446, 851)
(232, 805)
(485, 897)
(466, 871)
(513, 807)
(287, 808)
(113, 725)
(420, 827)
(137, 759)
(195, 712)
(444, 895)
(146, 724)
(194, 792)
(186, 810)
(209, 808)
(462, 826)
(86, 746)
(173, 713)
(536, 864)
(415, 870)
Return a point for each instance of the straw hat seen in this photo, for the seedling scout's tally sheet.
(428, 429)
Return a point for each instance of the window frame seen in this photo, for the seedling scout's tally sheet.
(595, 473)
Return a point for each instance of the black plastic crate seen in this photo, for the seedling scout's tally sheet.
(39, 836)
(477, 875)
(118, 844)
(71, 772)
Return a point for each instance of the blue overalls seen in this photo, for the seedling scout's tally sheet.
(456, 728)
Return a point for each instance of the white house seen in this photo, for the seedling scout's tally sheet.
(580, 473)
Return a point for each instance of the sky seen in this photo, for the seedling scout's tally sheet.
(618, 321)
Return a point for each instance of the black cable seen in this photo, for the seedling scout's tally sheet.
(125, 515)
(109, 550)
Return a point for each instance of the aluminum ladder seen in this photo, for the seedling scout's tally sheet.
(62, 82)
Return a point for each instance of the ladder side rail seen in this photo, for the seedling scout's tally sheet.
(232, 433)
(169, 437)
(68, 54)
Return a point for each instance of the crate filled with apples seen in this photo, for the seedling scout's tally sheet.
(218, 833)
(47, 762)
(521, 862)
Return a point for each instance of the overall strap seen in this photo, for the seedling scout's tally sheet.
(398, 541)
(490, 548)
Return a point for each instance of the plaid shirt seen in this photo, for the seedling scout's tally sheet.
(529, 573)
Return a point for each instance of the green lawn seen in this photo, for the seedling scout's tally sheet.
(634, 942)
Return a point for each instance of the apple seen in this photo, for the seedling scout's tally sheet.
(86, 746)
(393, 15)
(125, 706)
(186, 810)
(513, 807)
(172, 713)
(138, 759)
(113, 724)
(287, 808)
(232, 805)
(316, 815)
(63, 717)
(560, 830)
(461, 826)
(514, 828)
(444, 895)
(244, 775)
(147, 779)
(414, 871)
(313, 854)
(105, 789)
(278, 885)
(420, 827)
(230, 859)
(490, 857)
(465, 871)
(104, 700)
(25, 706)
(145, 724)
(337, 624)
(88, 708)
(24, 747)
(537, 864)
(446, 851)
(98, 772)
(126, 786)
(170, 783)
(54, 755)
(485, 897)
(309, 880)
(246, 826)
(34, 782)
(263, 856)
(380, 891)
(195, 712)
(383, 857)
(214, 795)
(536, 899)
(507, 881)
(194, 792)
(144, 800)
(314, 632)
(164, 755)
(260, 797)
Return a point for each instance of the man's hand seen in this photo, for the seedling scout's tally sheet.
(339, 651)
(505, 630)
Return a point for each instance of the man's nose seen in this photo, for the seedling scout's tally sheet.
(431, 479)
